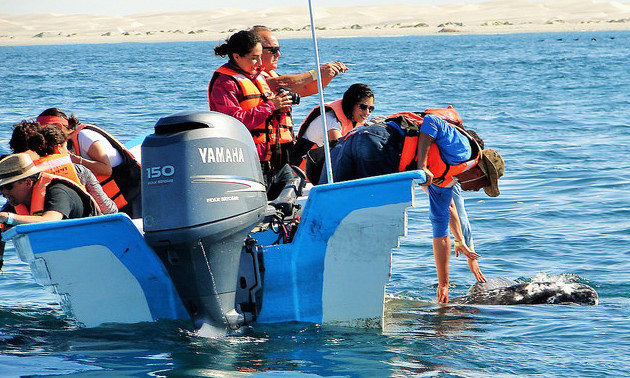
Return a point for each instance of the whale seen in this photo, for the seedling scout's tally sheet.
(501, 291)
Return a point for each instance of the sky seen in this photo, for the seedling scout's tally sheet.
(126, 7)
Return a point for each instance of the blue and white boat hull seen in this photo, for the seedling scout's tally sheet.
(206, 250)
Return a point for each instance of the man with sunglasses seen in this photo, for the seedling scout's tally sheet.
(305, 83)
(35, 196)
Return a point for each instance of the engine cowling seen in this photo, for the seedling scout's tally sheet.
(202, 193)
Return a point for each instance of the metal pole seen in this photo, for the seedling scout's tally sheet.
(320, 89)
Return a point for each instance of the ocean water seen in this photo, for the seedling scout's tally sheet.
(556, 106)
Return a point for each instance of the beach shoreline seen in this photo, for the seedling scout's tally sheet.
(492, 17)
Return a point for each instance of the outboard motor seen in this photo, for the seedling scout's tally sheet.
(202, 193)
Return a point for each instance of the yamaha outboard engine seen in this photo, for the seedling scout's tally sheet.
(202, 193)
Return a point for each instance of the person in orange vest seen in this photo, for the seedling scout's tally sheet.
(435, 142)
(238, 89)
(114, 166)
(455, 149)
(47, 148)
(341, 116)
(299, 85)
(51, 144)
(305, 83)
(38, 196)
(20, 135)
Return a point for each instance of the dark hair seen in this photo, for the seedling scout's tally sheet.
(355, 93)
(476, 137)
(240, 43)
(33, 178)
(49, 137)
(21, 133)
(73, 121)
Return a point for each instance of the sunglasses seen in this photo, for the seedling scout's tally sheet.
(272, 49)
(7, 186)
(365, 107)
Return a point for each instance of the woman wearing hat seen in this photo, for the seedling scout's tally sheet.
(39, 197)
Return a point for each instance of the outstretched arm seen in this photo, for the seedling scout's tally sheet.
(47, 216)
(305, 83)
(456, 229)
(473, 265)
(461, 247)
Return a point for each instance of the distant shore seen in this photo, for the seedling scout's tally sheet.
(492, 17)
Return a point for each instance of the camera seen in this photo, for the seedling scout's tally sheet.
(295, 98)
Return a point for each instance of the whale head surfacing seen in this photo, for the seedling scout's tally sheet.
(505, 292)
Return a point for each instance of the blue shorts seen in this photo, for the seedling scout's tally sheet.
(439, 201)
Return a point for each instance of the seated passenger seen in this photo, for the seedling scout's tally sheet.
(38, 196)
(19, 137)
(341, 116)
(112, 164)
(51, 144)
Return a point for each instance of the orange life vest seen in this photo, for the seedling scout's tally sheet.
(285, 123)
(335, 106)
(58, 164)
(39, 194)
(111, 184)
(444, 174)
(255, 91)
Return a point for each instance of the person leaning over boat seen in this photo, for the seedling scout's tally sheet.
(305, 83)
(238, 89)
(341, 116)
(34, 197)
(113, 165)
(445, 151)
(38, 196)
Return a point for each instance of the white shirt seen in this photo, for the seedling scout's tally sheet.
(315, 134)
(88, 137)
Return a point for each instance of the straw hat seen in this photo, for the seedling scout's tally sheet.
(16, 167)
(492, 165)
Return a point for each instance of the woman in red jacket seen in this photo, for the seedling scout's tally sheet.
(238, 89)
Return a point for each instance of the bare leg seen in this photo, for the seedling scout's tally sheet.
(441, 254)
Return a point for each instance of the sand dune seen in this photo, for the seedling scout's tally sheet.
(496, 16)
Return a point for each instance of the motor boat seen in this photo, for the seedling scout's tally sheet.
(210, 247)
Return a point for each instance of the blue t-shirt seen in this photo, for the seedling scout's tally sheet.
(454, 149)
